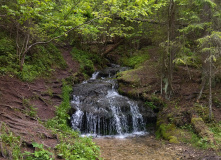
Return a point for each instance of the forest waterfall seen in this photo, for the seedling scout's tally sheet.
(100, 110)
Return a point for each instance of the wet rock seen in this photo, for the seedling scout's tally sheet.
(101, 110)
(111, 71)
(92, 88)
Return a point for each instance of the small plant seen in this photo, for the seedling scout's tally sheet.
(188, 127)
(151, 105)
(39, 154)
(136, 59)
(10, 144)
(71, 146)
(87, 60)
(30, 110)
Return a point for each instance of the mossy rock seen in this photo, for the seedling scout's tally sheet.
(128, 77)
(173, 139)
(202, 111)
(137, 59)
(168, 132)
(201, 129)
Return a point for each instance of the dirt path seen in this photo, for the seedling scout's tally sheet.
(148, 148)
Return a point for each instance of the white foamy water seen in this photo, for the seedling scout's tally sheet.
(122, 120)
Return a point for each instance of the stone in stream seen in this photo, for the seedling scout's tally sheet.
(99, 109)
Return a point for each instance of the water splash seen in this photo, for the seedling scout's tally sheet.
(122, 119)
(94, 75)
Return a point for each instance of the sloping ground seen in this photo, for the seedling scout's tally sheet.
(145, 82)
(18, 101)
(182, 109)
(22, 103)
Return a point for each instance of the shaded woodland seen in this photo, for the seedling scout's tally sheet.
(46, 46)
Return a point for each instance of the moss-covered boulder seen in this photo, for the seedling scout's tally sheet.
(129, 77)
(201, 129)
(168, 132)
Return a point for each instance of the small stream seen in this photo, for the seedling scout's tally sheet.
(101, 111)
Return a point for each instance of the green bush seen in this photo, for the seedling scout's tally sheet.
(8, 57)
(71, 145)
(39, 154)
(7, 45)
(42, 63)
(87, 60)
(136, 59)
(10, 144)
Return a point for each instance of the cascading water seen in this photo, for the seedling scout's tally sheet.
(100, 110)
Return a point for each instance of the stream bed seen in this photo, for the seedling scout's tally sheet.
(118, 124)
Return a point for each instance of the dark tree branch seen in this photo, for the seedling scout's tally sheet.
(36, 43)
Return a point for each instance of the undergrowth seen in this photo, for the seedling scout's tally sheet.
(10, 144)
(71, 145)
(136, 59)
(204, 143)
(40, 61)
(87, 60)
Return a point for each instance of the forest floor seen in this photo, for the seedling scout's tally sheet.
(22, 103)
(148, 148)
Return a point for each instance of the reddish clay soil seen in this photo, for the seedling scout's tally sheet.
(16, 97)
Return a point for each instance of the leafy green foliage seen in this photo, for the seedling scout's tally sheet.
(10, 143)
(61, 120)
(87, 60)
(203, 143)
(8, 58)
(82, 148)
(30, 110)
(151, 105)
(136, 59)
(39, 154)
(71, 146)
(42, 63)
(38, 63)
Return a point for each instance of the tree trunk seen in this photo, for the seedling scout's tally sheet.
(171, 37)
(112, 48)
(210, 87)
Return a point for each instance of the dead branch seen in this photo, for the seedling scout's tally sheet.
(112, 48)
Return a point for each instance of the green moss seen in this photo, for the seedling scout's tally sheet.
(129, 76)
(202, 111)
(195, 120)
(136, 59)
(166, 131)
(173, 139)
